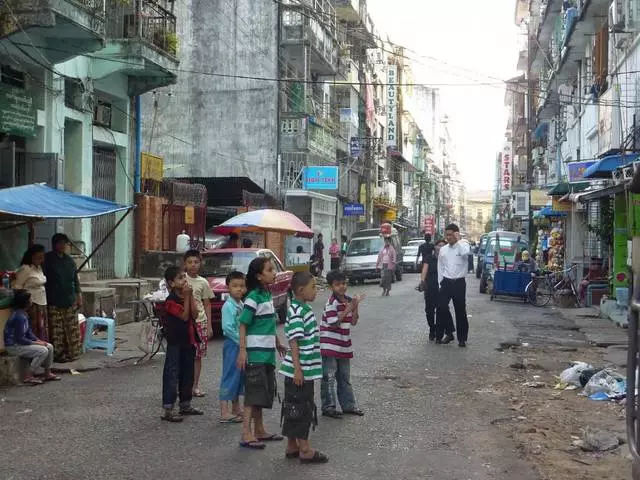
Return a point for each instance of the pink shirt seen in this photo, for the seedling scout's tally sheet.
(387, 256)
(334, 250)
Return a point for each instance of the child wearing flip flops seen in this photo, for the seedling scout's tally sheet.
(301, 366)
(258, 344)
(231, 381)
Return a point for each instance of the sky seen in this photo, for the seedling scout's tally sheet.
(462, 41)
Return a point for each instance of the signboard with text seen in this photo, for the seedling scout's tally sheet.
(429, 224)
(392, 105)
(352, 209)
(17, 112)
(576, 170)
(320, 178)
(505, 169)
(354, 147)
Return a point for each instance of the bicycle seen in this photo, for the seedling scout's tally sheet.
(541, 289)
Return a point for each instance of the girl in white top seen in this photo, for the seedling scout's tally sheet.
(30, 277)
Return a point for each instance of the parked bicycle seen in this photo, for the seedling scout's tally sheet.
(552, 285)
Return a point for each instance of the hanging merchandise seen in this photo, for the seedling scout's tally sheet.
(556, 248)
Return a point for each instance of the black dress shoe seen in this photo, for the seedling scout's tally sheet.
(462, 344)
(438, 341)
(432, 336)
(448, 339)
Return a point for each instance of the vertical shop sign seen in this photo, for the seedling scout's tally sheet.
(392, 105)
(505, 168)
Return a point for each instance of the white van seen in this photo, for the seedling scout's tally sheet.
(359, 264)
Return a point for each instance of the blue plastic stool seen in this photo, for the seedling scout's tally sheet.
(90, 342)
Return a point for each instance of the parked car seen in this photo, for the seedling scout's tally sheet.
(505, 247)
(482, 243)
(362, 254)
(218, 263)
(409, 255)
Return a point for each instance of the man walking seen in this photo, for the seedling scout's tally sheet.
(452, 270)
(429, 285)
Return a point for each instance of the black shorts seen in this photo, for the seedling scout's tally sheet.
(259, 385)
(298, 409)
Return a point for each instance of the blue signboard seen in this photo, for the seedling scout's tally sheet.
(355, 147)
(320, 178)
(353, 209)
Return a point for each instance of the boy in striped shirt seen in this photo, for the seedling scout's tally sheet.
(340, 314)
(301, 366)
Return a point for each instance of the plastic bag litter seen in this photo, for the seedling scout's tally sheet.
(608, 382)
(572, 374)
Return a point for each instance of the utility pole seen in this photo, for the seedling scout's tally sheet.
(368, 209)
(420, 202)
(530, 108)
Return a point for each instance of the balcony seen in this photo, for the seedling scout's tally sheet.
(300, 29)
(354, 13)
(56, 29)
(142, 38)
(302, 135)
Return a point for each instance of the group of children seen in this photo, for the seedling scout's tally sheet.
(314, 352)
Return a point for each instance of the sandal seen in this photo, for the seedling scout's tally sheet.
(199, 394)
(191, 411)
(317, 458)
(231, 420)
(272, 437)
(356, 411)
(291, 455)
(332, 413)
(32, 381)
(52, 378)
(252, 445)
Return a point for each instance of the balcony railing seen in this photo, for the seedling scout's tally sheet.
(302, 135)
(298, 27)
(151, 21)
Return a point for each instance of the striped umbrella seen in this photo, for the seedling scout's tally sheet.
(265, 220)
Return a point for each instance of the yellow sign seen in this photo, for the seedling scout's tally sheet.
(558, 206)
(151, 167)
(539, 198)
(189, 216)
(389, 215)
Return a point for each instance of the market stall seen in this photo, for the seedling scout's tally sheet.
(27, 205)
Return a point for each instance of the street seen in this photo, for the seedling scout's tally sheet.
(424, 415)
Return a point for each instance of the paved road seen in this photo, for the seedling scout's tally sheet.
(423, 419)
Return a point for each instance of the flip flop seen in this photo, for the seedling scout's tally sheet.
(52, 378)
(291, 455)
(253, 445)
(317, 458)
(199, 394)
(231, 420)
(356, 411)
(273, 437)
(32, 381)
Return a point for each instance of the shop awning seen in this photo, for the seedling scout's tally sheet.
(39, 201)
(603, 167)
(549, 212)
(603, 192)
(563, 188)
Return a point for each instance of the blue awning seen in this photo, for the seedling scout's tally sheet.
(603, 167)
(39, 201)
(549, 212)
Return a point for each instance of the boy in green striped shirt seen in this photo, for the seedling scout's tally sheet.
(302, 365)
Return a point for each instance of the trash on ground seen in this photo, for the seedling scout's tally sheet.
(26, 410)
(73, 371)
(598, 440)
(610, 382)
(571, 376)
(534, 384)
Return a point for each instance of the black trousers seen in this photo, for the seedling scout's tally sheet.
(177, 378)
(456, 290)
(431, 303)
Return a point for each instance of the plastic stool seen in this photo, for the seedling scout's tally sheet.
(90, 342)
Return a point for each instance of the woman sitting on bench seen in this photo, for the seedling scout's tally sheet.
(20, 341)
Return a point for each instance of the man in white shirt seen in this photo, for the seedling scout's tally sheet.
(452, 270)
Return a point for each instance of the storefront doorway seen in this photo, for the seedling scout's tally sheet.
(104, 186)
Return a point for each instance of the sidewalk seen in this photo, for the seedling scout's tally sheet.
(600, 332)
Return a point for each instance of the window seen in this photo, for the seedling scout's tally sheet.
(11, 76)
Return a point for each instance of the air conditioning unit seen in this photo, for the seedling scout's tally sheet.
(616, 16)
(102, 114)
(627, 173)
(618, 176)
